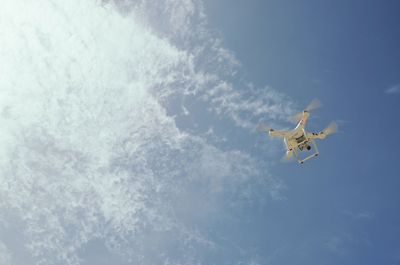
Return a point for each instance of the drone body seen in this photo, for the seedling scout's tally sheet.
(299, 140)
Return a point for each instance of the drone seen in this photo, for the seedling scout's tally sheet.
(298, 140)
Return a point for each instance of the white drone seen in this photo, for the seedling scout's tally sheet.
(298, 140)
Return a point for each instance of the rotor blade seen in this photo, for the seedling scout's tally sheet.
(288, 156)
(314, 104)
(263, 127)
(295, 118)
(332, 128)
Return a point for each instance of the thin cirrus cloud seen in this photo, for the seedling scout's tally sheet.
(4, 254)
(90, 154)
(393, 89)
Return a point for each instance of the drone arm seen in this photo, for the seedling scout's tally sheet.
(320, 135)
(274, 133)
(304, 118)
(332, 128)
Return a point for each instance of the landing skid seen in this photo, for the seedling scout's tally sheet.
(297, 150)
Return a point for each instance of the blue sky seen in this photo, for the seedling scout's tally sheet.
(129, 132)
(341, 208)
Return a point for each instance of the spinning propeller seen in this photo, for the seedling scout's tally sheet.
(314, 104)
(332, 128)
(287, 157)
(263, 127)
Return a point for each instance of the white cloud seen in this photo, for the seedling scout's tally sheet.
(393, 89)
(340, 243)
(88, 150)
(246, 107)
(365, 215)
(360, 215)
(335, 244)
(5, 255)
(208, 66)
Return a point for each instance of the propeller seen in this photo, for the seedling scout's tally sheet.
(314, 104)
(288, 156)
(263, 127)
(332, 128)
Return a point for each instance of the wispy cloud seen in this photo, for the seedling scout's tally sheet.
(361, 215)
(89, 149)
(5, 256)
(395, 89)
(337, 244)
(209, 72)
(365, 215)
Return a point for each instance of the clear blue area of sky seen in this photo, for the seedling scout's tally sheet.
(343, 207)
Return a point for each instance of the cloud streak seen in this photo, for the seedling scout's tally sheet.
(393, 90)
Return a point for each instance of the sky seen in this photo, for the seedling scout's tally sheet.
(129, 132)
(341, 208)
